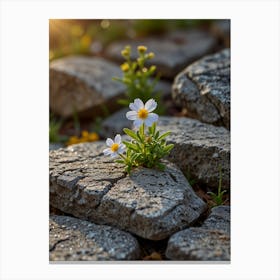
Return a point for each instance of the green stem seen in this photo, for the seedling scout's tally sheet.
(122, 156)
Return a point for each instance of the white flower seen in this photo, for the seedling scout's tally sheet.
(116, 146)
(142, 113)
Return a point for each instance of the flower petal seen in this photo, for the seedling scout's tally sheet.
(121, 150)
(133, 107)
(150, 105)
(122, 146)
(107, 151)
(118, 139)
(109, 142)
(152, 117)
(131, 115)
(138, 104)
(137, 122)
(113, 155)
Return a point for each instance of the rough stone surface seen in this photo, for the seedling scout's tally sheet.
(203, 88)
(71, 239)
(218, 219)
(199, 149)
(172, 51)
(199, 244)
(83, 84)
(149, 203)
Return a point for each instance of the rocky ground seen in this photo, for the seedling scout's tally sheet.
(97, 211)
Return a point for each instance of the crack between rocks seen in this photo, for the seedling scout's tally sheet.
(113, 182)
(58, 242)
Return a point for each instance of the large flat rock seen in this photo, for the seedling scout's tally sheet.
(149, 203)
(200, 149)
(172, 51)
(203, 88)
(199, 244)
(71, 239)
(80, 84)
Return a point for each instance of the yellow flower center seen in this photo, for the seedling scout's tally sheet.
(115, 147)
(143, 113)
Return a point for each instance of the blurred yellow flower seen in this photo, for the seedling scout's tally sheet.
(125, 67)
(93, 137)
(142, 49)
(85, 137)
(86, 41)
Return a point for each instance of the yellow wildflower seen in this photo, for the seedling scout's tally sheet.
(151, 55)
(93, 137)
(85, 134)
(125, 67)
(142, 49)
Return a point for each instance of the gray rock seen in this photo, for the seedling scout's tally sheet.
(199, 149)
(149, 203)
(203, 88)
(115, 123)
(199, 244)
(84, 85)
(172, 51)
(55, 146)
(71, 239)
(218, 219)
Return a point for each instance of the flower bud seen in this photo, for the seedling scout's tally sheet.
(142, 49)
(125, 67)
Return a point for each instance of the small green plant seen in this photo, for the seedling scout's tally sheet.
(137, 77)
(54, 127)
(147, 146)
(218, 198)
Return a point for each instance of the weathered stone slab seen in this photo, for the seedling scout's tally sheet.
(172, 51)
(199, 149)
(199, 244)
(82, 84)
(71, 239)
(149, 203)
(218, 219)
(203, 88)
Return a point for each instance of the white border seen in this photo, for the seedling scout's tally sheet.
(24, 138)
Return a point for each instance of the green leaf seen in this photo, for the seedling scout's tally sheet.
(141, 130)
(131, 146)
(164, 135)
(130, 133)
(168, 148)
(123, 102)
